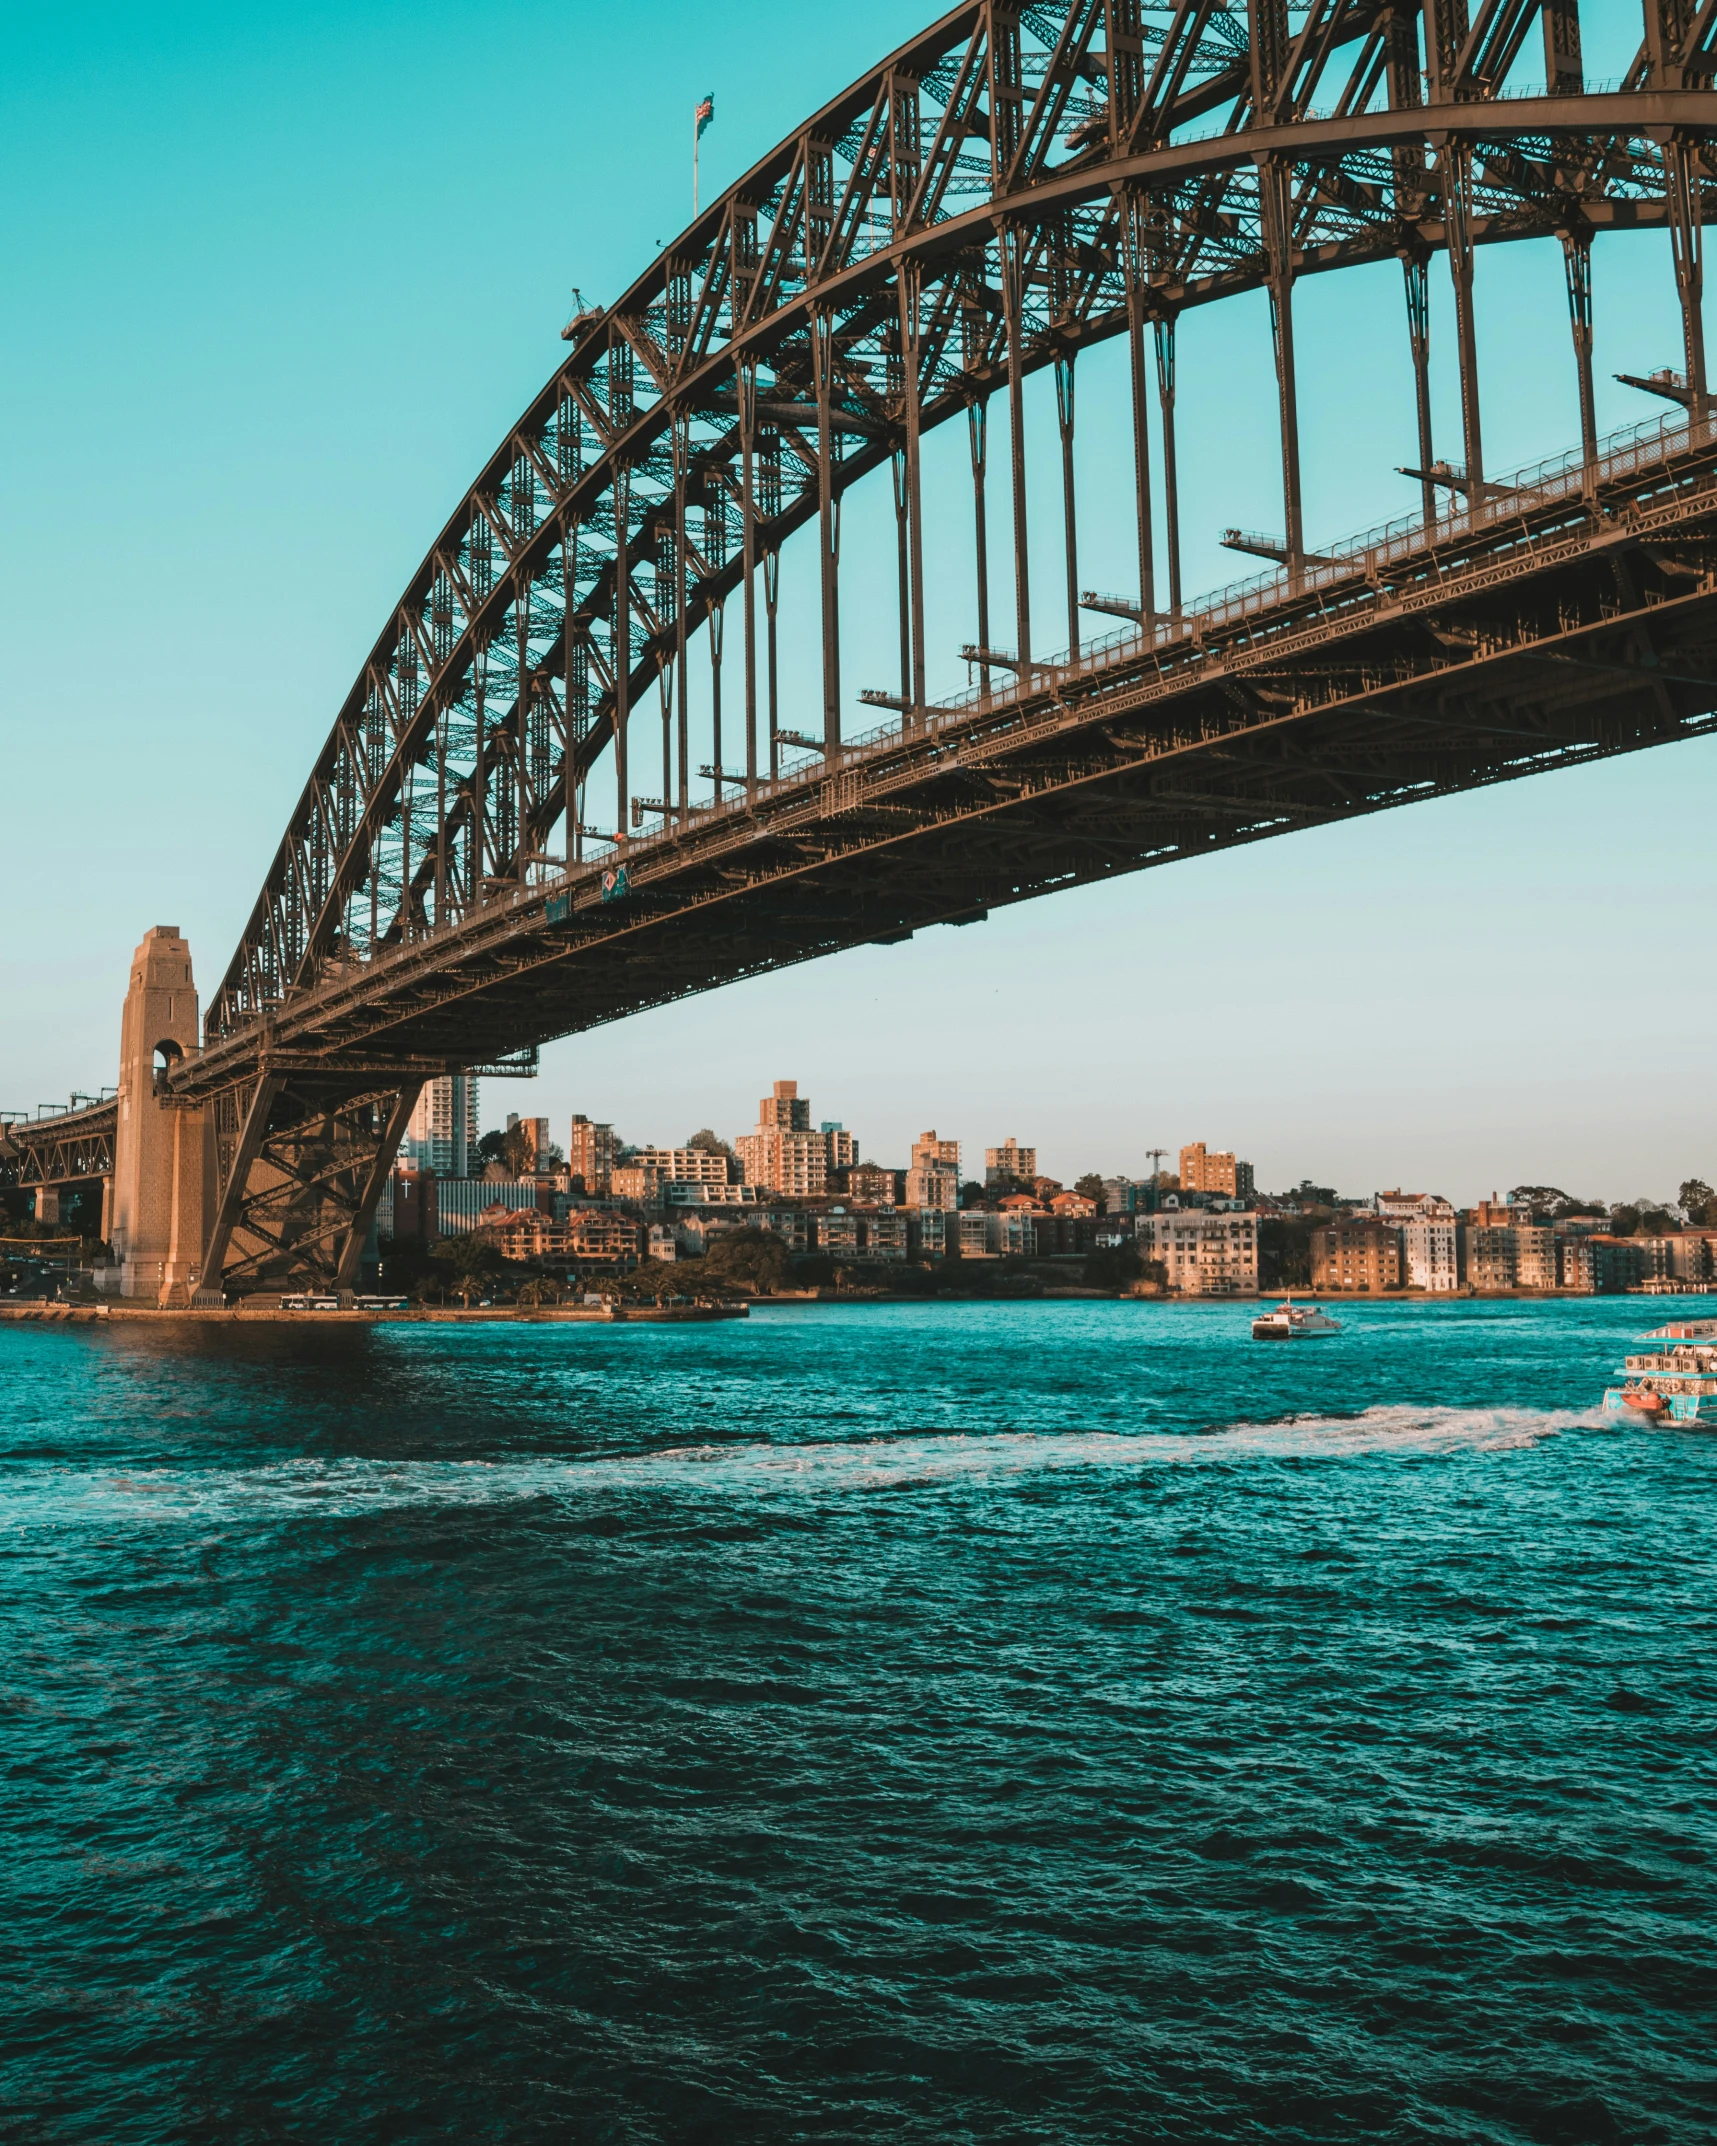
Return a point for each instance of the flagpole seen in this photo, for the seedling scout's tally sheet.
(697, 129)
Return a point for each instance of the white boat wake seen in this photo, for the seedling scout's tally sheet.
(352, 1487)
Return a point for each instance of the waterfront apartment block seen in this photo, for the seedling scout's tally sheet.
(1205, 1254)
(1511, 1256)
(1221, 1174)
(591, 1153)
(1361, 1256)
(1010, 1160)
(1431, 1254)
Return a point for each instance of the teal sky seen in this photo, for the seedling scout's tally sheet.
(276, 283)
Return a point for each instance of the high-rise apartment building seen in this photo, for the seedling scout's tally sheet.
(784, 1154)
(1221, 1175)
(784, 1109)
(1010, 1160)
(442, 1134)
(591, 1152)
(933, 1178)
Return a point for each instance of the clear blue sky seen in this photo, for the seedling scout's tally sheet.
(277, 281)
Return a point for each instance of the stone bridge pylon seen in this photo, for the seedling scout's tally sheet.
(163, 1148)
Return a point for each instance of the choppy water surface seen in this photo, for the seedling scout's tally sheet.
(1051, 1722)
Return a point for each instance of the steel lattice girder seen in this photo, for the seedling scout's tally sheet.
(71, 1149)
(1001, 191)
(1573, 622)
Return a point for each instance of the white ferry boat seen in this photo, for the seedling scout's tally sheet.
(1293, 1322)
(1677, 1384)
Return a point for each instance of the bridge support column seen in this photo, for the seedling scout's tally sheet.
(1456, 172)
(1138, 273)
(1163, 327)
(1013, 310)
(1069, 506)
(1275, 197)
(47, 1203)
(1687, 241)
(977, 423)
(745, 382)
(828, 527)
(1413, 268)
(163, 1158)
(1577, 260)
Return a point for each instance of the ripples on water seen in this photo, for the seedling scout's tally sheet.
(1053, 1722)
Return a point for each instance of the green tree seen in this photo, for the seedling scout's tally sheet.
(473, 1266)
(713, 1144)
(1091, 1186)
(1284, 1252)
(512, 1148)
(1113, 1266)
(1698, 1202)
(754, 1259)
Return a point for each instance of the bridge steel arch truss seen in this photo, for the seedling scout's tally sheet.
(1013, 185)
(1007, 189)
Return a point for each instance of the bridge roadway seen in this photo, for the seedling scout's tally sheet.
(1572, 618)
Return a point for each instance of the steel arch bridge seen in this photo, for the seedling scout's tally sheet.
(471, 868)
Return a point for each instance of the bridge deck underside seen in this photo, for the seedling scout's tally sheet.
(1580, 635)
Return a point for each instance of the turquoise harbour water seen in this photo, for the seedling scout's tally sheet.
(1045, 1722)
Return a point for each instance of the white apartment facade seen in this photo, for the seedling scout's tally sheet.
(1205, 1254)
(1430, 1238)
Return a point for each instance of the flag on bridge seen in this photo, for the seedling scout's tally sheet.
(701, 118)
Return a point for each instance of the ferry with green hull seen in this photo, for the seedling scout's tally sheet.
(1676, 1384)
